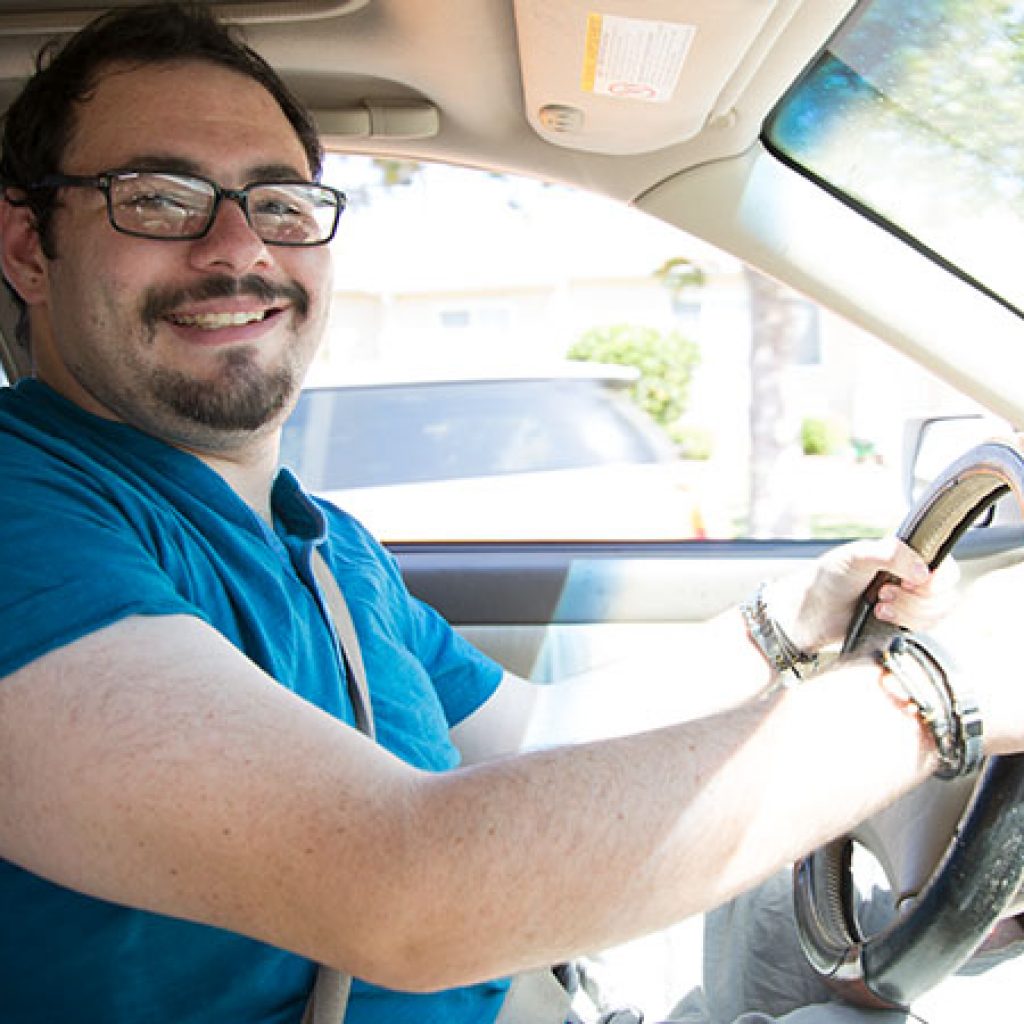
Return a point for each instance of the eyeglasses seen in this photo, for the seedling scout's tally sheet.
(178, 207)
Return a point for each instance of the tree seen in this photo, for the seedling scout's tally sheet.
(777, 321)
(680, 274)
(666, 362)
(395, 173)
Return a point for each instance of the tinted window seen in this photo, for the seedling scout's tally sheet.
(365, 437)
(913, 111)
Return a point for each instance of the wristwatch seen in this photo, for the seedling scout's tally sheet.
(924, 675)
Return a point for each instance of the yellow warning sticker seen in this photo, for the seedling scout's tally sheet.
(634, 58)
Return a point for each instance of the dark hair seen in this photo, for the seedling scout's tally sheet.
(40, 122)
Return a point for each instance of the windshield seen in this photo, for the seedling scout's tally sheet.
(913, 113)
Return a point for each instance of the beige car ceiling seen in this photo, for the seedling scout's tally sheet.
(653, 102)
(616, 95)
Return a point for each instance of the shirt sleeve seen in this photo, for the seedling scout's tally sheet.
(462, 677)
(71, 565)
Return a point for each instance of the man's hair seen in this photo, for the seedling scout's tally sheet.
(40, 122)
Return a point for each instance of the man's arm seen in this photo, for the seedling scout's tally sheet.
(152, 764)
(717, 670)
(716, 667)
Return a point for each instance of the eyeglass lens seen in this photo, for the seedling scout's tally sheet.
(178, 206)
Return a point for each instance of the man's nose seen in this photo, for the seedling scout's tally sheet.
(231, 241)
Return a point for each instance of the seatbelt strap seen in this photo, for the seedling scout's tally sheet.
(358, 690)
(536, 997)
(327, 1001)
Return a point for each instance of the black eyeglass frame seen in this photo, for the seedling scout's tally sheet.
(104, 180)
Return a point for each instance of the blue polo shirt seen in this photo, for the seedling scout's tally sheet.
(98, 522)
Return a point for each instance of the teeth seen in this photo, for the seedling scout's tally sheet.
(213, 321)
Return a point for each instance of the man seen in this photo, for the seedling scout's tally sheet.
(188, 821)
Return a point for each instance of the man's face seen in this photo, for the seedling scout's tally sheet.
(203, 343)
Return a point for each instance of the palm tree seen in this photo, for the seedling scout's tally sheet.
(778, 319)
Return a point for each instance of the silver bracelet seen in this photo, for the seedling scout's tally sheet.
(923, 673)
(787, 661)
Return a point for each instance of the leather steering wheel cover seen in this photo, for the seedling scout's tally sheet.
(983, 867)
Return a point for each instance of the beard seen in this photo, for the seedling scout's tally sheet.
(243, 397)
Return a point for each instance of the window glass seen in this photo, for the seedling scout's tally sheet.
(513, 360)
(913, 112)
(471, 428)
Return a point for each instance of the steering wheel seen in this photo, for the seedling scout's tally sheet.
(952, 851)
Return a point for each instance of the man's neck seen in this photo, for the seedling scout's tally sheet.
(248, 463)
(250, 475)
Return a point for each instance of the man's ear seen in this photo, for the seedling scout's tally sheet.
(21, 253)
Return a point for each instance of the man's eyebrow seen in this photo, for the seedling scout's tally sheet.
(161, 162)
(169, 164)
(276, 172)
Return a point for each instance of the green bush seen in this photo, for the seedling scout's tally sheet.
(823, 436)
(692, 442)
(666, 362)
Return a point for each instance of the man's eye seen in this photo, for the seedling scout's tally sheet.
(275, 208)
(158, 202)
(281, 207)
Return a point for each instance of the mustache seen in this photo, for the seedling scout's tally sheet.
(160, 302)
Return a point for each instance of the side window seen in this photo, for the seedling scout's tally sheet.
(509, 360)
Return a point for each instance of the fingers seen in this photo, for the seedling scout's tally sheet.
(887, 554)
(917, 598)
(909, 566)
(818, 608)
(920, 605)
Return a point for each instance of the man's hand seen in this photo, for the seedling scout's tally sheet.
(982, 635)
(815, 608)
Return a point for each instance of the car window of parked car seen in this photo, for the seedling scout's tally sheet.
(512, 360)
(453, 430)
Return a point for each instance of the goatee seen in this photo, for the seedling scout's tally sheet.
(242, 397)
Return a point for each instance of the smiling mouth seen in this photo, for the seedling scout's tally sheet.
(243, 302)
(216, 321)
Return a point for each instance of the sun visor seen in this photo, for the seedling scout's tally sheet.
(633, 76)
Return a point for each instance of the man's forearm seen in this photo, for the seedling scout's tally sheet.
(587, 847)
(677, 674)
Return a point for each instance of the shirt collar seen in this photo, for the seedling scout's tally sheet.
(296, 510)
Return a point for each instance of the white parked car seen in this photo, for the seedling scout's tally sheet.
(560, 454)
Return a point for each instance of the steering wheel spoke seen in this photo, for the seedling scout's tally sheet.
(910, 837)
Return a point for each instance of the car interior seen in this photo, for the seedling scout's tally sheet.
(734, 122)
